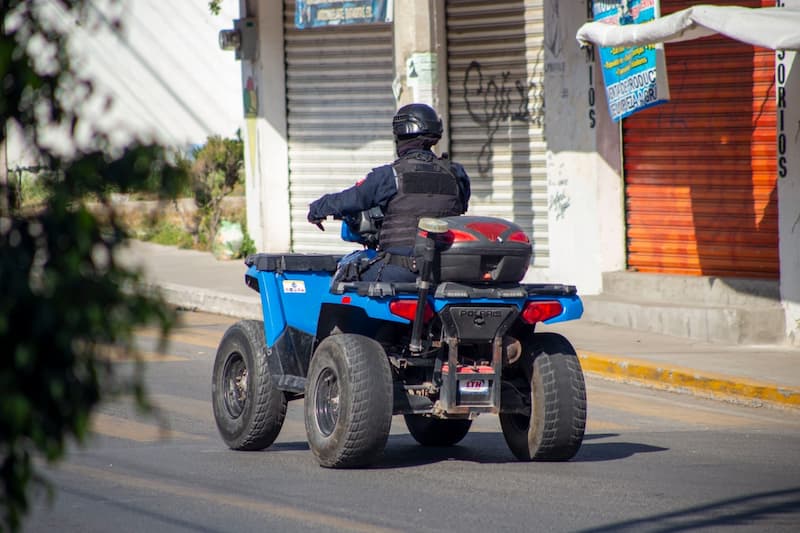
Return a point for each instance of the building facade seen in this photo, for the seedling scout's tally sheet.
(705, 185)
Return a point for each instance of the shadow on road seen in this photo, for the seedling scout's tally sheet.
(402, 451)
(744, 510)
(611, 451)
(298, 446)
(594, 436)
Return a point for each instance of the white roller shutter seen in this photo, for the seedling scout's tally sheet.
(496, 98)
(339, 110)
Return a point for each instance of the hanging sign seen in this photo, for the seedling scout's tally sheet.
(317, 13)
(636, 76)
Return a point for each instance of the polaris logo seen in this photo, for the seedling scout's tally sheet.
(477, 323)
(480, 313)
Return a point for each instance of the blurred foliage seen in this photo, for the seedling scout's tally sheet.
(248, 245)
(167, 233)
(214, 6)
(64, 296)
(215, 169)
(30, 188)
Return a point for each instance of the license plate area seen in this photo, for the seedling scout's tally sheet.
(474, 385)
(470, 387)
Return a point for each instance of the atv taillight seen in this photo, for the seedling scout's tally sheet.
(540, 311)
(408, 309)
(490, 230)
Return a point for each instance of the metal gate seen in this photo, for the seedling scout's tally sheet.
(339, 111)
(495, 75)
(700, 171)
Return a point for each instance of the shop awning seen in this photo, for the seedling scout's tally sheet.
(777, 28)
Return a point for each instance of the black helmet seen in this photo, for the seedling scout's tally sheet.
(413, 120)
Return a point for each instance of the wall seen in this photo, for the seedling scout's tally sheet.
(585, 199)
(583, 162)
(265, 137)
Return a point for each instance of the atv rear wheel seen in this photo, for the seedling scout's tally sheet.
(430, 431)
(348, 405)
(248, 408)
(554, 430)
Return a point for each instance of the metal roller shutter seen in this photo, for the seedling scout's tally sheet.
(339, 111)
(496, 99)
(700, 171)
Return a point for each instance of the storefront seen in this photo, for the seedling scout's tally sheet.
(700, 171)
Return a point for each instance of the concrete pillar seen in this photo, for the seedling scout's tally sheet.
(420, 56)
(585, 196)
(787, 87)
(265, 130)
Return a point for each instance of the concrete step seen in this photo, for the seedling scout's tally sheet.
(704, 290)
(735, 311)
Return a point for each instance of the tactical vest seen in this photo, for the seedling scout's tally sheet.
(426, 187)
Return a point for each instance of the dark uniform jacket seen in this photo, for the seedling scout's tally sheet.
(425, 178)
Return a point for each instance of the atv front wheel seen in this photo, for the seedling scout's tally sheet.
(348, 405)
(430, 431)
(248, 408)
(554, 429)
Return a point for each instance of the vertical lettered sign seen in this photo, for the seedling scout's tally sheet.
(787, 110)
(590, 64)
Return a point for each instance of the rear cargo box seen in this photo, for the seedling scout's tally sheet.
(480, 249)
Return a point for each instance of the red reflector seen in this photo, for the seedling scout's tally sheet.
(463, 369)
(540, 311)
(408, 309)
(346, 299)
(454, 235)
(519, 236)
(490, 230)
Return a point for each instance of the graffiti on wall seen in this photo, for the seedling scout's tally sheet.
(498, 99)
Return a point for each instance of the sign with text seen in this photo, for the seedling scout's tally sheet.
(317, 13)
(635, 77)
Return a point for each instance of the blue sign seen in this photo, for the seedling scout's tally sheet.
(635, 77)
(317, 13)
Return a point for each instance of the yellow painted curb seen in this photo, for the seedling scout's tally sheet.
(674, 377)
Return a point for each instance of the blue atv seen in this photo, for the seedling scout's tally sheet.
(458, 342)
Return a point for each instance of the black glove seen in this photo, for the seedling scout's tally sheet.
(316, 220)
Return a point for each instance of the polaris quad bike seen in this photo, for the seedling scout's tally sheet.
(458, 342)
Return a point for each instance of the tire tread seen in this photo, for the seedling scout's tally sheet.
(370, 386)
(268, 409)
(556, 364)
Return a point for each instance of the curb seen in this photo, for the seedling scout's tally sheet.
(687, 380)
(210, 301)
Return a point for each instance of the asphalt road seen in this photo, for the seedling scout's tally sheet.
(651, 461)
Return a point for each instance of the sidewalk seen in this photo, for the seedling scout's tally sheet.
(754, 375)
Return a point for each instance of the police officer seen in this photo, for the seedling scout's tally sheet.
(417, 184)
